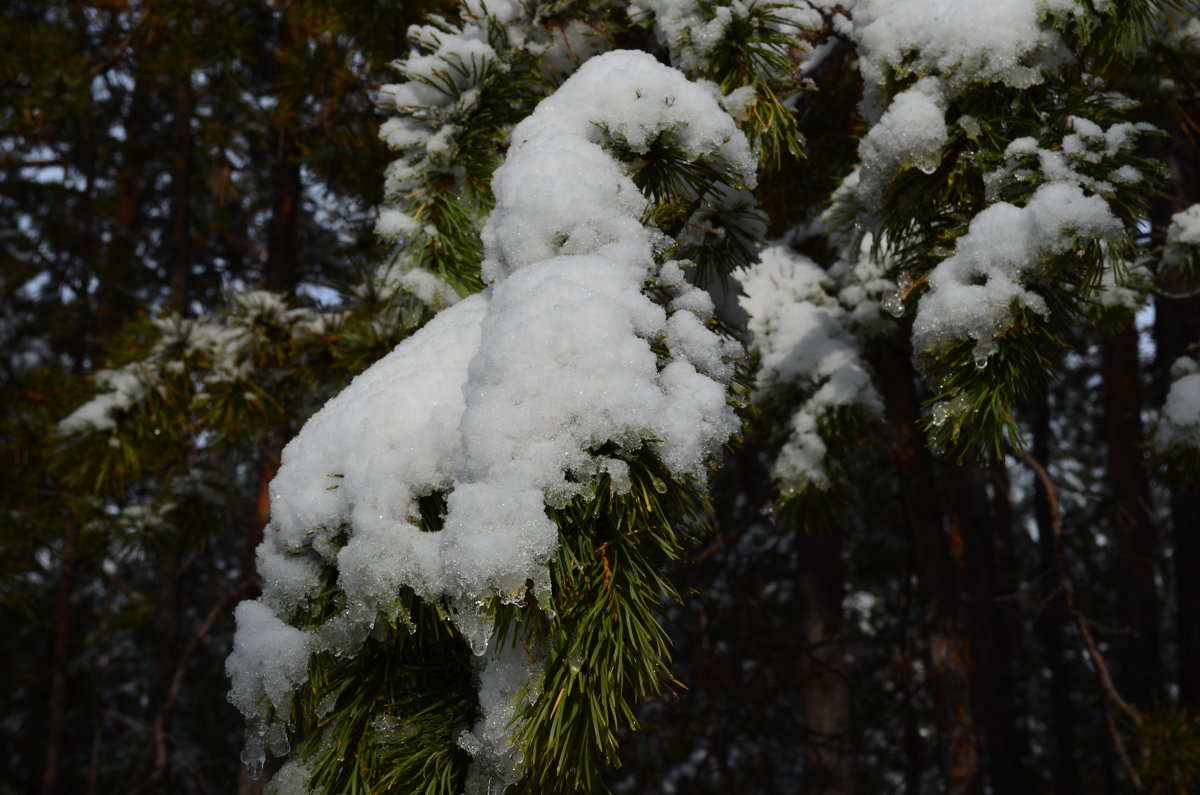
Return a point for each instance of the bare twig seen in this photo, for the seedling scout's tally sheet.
(1176, 296)
(1112, 697)
(159, 724)
(110, 61)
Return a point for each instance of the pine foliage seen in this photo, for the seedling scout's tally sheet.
(983, 219)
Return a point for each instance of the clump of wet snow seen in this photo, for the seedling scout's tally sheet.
(505, 680)
(1183, 237)
(269, 659)
(1081, 157)
(909, 134)
(291, 779)
(454, 69)
(691, 30)
(1179, 424)
(496, 403)
(964, 41)
(798, 331)
(971, 293)
(1125, 286)
(216, 351)
(941, 47)
(120, 390)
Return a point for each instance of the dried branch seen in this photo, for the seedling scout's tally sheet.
(1112, 697)
(1176, 296)
(159, 724)
(111, 61)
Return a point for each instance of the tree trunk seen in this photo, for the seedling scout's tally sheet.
(1064, 775)
(60, 658)
(973, 518)
(165, 651)
(282, 270)
(1139, 659)
(951, 658)
(179, 255)
(829, 762)
(1176, 326)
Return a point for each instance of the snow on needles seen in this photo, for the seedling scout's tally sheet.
(982, 41)
(804, 346)
(498, 400)
(946, 45)
(971, 292)
(1179, 425)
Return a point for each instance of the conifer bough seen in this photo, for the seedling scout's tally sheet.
(466, 546)
(461, 472)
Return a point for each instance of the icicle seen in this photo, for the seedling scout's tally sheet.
(254, 754)
(893, 303)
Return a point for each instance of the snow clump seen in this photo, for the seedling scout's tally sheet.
(692, 31)
(946, 45)
(800, 337)
(964, 41)
(971, 293)
(498, 401)
(1179, 425)
(1183, 237)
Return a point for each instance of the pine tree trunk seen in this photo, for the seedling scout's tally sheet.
(974, 516)
(1139, 658)
(179, 263)
(282, 269)
(1064, 774)
(951, 658)
(165, 652)
(829, 763)
(1176, 326)
(60, 658)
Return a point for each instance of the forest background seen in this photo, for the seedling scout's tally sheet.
(166, 166)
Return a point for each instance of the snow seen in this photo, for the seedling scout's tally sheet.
(942, 46)
(217, 351)
(439, 78)
(909, 134)
(1079, 156)
(1183, 236)
(1179, 424)
(692, 30)
(964, 41)
(497, 402)
(803, 346)
(972, 291)
(451, 70)
(122, 390)
(431, 289)
(1124, 286)
(291, 779)
(269, 658)
(503, 682)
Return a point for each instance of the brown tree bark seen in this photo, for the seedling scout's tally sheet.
(282, 267)
(1049, 623)
(937, 548)
(829, 760)
(60, 658)
(974, 515)
(1138, 658)
(179, 256)
(1176, 326)
(166, 624)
